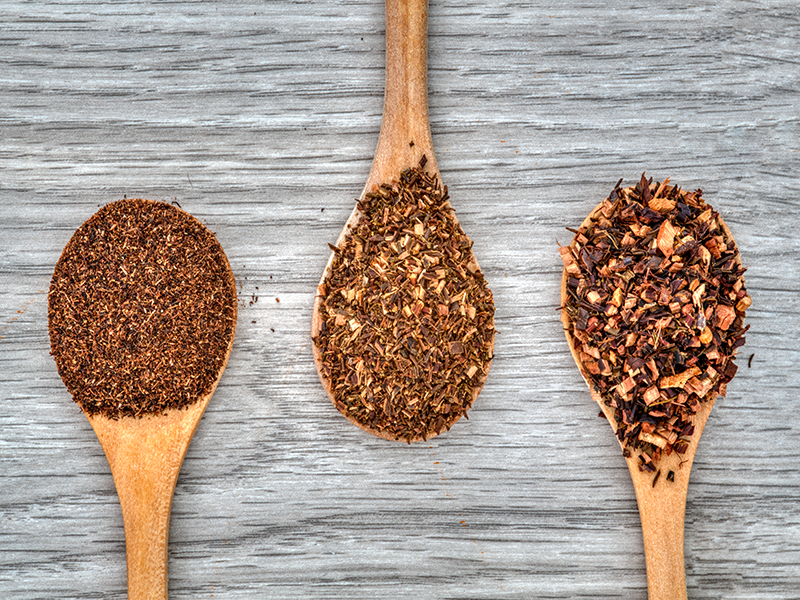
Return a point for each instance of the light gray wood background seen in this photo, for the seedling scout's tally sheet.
(260, 118)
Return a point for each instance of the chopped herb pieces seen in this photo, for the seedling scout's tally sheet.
(653, 311)
(407, 321)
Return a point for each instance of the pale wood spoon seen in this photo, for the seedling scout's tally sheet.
(405, 135)
(145, 453)
(662, 508)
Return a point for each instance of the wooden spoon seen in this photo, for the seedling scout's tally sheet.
(405, 135)
(661, 507)
(145, 452)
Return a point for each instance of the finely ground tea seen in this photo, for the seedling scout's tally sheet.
(407, 329)
(655, 303)
(142, 310)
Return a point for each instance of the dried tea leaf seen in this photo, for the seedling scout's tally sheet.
(424, 341)
(666, 238)
(649, 281)
(678, 380)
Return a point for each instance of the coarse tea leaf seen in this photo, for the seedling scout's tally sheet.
(655, 304)
(407, 329)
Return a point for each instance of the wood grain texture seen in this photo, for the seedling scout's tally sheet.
(261, 119)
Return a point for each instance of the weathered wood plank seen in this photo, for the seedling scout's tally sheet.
(261, 119)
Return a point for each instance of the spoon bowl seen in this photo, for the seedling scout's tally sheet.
(661, 496)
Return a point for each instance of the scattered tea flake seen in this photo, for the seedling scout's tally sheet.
(666, 238)
(655, 304)
(424, 346)
(678, 380)
(655, 479)
(141, 309)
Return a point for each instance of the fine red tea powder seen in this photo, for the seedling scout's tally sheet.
(142, 310)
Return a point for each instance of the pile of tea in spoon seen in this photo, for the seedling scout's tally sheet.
(407, 330)
(654, 303)
(142, 310)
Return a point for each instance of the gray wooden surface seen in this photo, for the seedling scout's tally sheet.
(260, 118)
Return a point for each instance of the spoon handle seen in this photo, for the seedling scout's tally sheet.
(405, 129)
(146, 505)
(145, 455)
(662, 510)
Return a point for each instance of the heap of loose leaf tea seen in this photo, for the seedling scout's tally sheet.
(407, 329)
(142, 310)
(655, 302)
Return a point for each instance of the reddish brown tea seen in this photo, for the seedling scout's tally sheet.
(654, 310)
(142, 310)
(407, 328)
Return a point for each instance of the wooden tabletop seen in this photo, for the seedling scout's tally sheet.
(261, 119)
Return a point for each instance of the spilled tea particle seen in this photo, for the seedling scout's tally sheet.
(407, 330)
(142, 309)
(654, 311)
